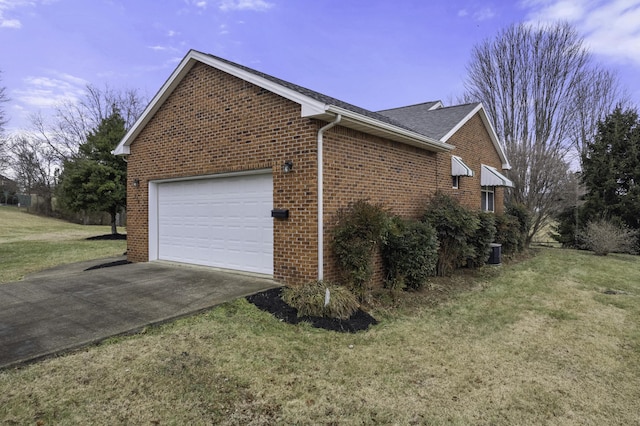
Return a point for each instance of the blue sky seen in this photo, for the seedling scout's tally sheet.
(375, 54)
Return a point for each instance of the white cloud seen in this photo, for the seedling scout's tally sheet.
(610, 27)
(10, 23)
(255, 5)
(484, 14)
(477, 15)
(50, 90)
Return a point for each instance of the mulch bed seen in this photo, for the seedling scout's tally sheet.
(271, 301)
(108, 265)
(108, 237)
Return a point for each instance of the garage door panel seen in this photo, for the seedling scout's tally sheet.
(223, 222)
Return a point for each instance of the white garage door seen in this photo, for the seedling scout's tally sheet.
(224, 222)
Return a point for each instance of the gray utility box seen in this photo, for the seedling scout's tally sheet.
(495, 256)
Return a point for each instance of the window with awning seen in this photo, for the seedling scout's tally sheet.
(490, 176)
(459, 168)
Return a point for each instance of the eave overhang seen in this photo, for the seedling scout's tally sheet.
(309, 107)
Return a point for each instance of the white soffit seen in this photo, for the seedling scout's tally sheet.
(459, 168)
(490, 176)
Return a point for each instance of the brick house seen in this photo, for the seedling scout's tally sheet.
(232, 168)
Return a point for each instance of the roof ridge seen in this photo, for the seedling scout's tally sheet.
(317, 95)
(414, 105)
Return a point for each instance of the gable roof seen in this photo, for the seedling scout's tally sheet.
(313, 105)
(442, 122)
(435, 122)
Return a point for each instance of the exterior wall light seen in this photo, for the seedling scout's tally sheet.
(136, 183)
(287, 166)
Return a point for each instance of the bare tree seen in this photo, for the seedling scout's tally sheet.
(537, 86)
(4, 98)
(74, 120)
(596, 96)
(4, 151)
(35, 168)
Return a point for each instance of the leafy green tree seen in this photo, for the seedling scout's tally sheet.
(96, 180)
(611, 170)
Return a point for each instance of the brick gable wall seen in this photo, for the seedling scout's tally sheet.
(473, 144)
(215, 123)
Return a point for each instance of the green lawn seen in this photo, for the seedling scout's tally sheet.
(534, 342)
(29, 243)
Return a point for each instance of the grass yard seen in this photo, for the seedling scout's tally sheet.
(537, 342)
(29, 243)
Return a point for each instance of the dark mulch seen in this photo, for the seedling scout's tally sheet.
(108, 265)
(271, 301)
(108, 237)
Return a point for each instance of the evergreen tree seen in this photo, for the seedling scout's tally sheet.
(611, 170)
(96, 180)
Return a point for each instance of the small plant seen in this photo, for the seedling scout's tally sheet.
(455, 227)
(604, 237)
(409, 253)
(356, 235)
(312, 299)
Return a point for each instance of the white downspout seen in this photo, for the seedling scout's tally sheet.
(321, 198)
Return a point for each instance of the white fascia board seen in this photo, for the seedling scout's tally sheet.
(492, 133)
(389, 131)
(494, 139)
(461, 123)
(309, 106)
(167, 88)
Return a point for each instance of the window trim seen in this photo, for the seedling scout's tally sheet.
(455, 182)
(484, 200)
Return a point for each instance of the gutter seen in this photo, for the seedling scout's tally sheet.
(321, 196)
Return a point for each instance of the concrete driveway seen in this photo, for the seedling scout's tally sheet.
(68, 307)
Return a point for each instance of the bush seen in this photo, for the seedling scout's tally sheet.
(357, 233)
(508, 234)
(523, 216)
(309, 300)
(455, 226)
(604, 237)
(409, 253)
(482, 239)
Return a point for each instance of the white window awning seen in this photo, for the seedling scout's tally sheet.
(490, 176)
(458, 168)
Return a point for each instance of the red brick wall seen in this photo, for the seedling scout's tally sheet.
(215, 123)
(361, 166)
(473, 144)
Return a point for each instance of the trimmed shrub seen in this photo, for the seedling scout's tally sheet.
(482, 239)
(523, 216)
(455, 226)
(310, 298)
(604, 237)
(409, 253)
(356, 235)
(508, 234)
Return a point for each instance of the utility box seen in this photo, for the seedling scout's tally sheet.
(280, 213)
(495, 256)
